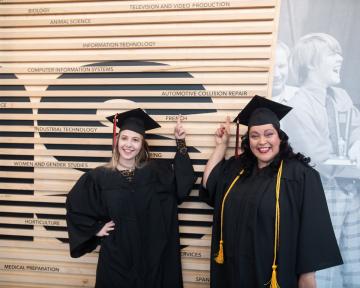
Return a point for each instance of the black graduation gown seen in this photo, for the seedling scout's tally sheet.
(143, 250)
(307, 240)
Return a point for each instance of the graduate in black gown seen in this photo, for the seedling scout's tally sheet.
(129, 207)
(271, 225)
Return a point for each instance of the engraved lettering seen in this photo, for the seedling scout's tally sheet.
(65, 129)
(238, 93)
(191, 254)
(212, 93)
(47, 129)
(42, 222)
(80, 21)
(166, 6)
(182, 6)
(175, 117)
(72, 21)
(210, 4)
(204, 93)
(113, 45)
(40, 268)
(77, 165)
(179, 93)
(144, 7)
(155, 154)
(49, 164)
(202, 279)
(86, 69)
(38, 10)
(59, 22)
(14, 267)
(194, 5)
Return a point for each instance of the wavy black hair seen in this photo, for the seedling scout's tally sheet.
(249, 160)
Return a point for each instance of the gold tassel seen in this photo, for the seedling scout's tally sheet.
(273, 281)
(220, 256)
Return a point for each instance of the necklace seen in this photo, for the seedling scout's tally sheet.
(128, 174)
(126, 171)
(121, 167)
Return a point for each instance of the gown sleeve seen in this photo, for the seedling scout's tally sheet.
(176, 175)
(317, 246)
(208, 194)
(83, 215)
(184, 174)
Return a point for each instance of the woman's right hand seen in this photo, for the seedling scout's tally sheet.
(108, 227)
(179, 130)
(222, 137)
(222, 134)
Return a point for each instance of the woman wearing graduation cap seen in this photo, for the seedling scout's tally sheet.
(129, 206)
(271, 224)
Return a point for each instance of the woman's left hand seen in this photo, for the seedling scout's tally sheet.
(106, 229)
(179, 130)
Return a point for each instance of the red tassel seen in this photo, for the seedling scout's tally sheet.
(114, 131)
(237, 141)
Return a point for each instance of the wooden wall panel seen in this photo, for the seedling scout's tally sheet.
(67, 64)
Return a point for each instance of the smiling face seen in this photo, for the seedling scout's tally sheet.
(129, 145)
(328, 69)
(264, 143)
(316, 59)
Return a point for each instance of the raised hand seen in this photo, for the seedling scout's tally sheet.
(222, 137)
(222, 134)
(108, 227)
(179, 130)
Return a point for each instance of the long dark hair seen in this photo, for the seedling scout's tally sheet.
(249, 160)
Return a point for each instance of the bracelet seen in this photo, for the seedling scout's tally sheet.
(181, 146)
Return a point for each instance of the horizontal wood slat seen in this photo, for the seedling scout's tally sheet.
(88, 141)
(217, 91)
(139, 30)
(135, 17)
(126, 6)
(137, 54)
(209, 118)
(166, 66)
(167, 128)
(121, 105)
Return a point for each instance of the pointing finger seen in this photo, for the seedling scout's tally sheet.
(228, 120)
(179, 119)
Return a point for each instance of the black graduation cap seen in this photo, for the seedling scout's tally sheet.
(260, 111)
(136, 120)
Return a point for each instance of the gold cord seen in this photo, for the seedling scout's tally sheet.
(220, 255)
